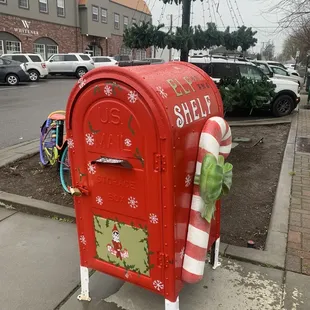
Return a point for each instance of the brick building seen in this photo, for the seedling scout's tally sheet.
(47, 27)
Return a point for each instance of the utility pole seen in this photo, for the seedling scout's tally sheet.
(171, 26)
(186, 16)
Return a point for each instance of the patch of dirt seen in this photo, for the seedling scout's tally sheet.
(28, 178)
(247, 209)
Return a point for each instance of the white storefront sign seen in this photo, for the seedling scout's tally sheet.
(26, 30)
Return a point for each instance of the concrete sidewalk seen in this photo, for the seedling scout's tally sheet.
(40, 271)
(298, 249)
(18, 151)
(234, 286)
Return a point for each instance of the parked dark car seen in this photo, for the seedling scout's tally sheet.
(125, 61)
(12, 72)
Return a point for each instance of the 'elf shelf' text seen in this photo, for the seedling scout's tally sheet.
(191, 111)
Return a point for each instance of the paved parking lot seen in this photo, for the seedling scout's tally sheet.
(23, 108)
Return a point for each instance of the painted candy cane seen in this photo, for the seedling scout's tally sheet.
(215, 139)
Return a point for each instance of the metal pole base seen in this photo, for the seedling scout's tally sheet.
(172, 305)
(216, 262)
(84, 296)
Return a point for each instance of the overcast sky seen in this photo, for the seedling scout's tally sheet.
(253, 13)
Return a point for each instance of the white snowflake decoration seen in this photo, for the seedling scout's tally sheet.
(108, 90)
(158, 285)
(153, 218)
(162, 92)
(127, 142)
(132, 96)
(182, 253)
(82, 82)
(133, 203)
(70, 143)
(91, 168)
(83, 240)
(99, 200)
(188, 181)
(90, 140)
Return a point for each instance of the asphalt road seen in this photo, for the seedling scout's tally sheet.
(24, 108)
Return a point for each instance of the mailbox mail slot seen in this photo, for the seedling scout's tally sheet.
(133, 135)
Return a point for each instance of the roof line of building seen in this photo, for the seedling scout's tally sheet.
(138, 5)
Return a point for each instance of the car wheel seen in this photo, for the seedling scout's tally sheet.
(12, 79)
(80, 72)
(283, 106)
(33, 75)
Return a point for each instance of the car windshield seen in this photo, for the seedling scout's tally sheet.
(280, 71)
(263, 67)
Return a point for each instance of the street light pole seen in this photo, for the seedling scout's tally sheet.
(171, 26)
(186, 16)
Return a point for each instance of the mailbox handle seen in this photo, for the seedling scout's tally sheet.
(113, 161)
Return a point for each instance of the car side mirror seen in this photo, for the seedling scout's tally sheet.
(271, 74)
(51, 60)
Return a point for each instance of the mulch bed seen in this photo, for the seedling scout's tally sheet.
(247, 209)
(245, 212)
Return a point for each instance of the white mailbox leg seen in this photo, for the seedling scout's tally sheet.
(84, 285)
(216, 254)
(172, 305)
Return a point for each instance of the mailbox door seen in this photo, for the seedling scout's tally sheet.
(115, 148)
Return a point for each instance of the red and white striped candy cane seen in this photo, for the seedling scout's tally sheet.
(215, 139)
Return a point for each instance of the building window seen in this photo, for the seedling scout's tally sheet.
(1, 47)
(51, 50)
(126, 51)
(104, 16)
(24, 4)
(116, 21)
(140, 54)
(95, 13)
(13, 47)
(61, 8)
(43, 6)
(39, 49)
(2, 1)
(134, 21)
(125, 22)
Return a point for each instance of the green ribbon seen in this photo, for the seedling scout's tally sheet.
(215, 181)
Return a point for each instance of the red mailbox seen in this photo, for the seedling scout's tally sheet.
(133, 135)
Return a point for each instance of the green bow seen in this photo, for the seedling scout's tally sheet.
(215, 181)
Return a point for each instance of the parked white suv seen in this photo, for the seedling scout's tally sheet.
(70, 64)
(104, 61)
(35, 65)
(287, 92)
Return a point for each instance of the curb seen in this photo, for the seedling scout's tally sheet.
(275, 249)
(35, 207)
(18, 151)
(262, 123)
